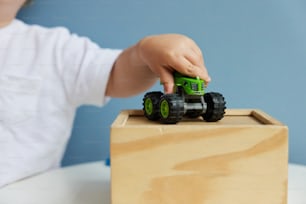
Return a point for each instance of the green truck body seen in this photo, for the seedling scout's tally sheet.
(188, 100)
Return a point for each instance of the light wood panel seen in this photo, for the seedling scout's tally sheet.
(241, 159)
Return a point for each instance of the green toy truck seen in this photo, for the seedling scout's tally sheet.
(189, 99)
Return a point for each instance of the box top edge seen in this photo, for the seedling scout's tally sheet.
(257, 114)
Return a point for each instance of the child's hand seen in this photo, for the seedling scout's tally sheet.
(169, 52)
(137, 67)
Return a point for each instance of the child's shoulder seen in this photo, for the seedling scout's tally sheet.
(39, 29)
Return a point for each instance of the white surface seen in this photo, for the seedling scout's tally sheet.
(90, 184)
(86, 184)
(297, 184)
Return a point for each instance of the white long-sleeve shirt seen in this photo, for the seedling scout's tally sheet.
(45, 74)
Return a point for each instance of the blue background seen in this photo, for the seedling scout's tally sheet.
(254, 50)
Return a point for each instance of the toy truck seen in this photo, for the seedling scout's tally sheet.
(188, 100)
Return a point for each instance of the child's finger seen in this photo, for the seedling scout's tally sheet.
(166, 79)
(199, 68)
(184, 66)
(203, 74)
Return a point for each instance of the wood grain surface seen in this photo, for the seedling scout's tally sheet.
(241, 159)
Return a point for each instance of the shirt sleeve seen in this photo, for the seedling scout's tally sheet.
(85, 69)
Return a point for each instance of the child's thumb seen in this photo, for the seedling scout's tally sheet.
(166, 79)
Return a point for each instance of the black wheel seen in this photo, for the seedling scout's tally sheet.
(151, 104)
(171, 108)
(215, 107)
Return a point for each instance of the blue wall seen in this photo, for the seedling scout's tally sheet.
(254, 50)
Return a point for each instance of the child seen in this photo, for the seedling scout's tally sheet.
(46, 73)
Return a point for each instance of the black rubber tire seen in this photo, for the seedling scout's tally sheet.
(175, 105)
(155, 98)
(215, 107)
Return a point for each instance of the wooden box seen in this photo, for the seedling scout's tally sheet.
(242, 159)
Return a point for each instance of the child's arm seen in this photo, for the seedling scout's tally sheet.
(138, 67)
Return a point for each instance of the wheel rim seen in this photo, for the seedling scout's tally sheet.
(149, 106)
(164, 109)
